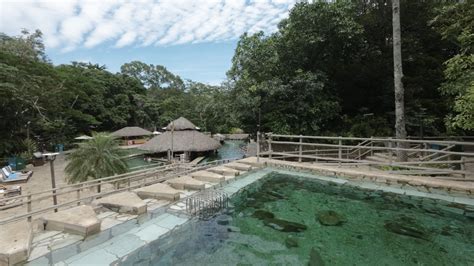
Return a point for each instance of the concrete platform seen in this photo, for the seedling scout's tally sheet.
(186, 182)
(207, 176)
(253, 161)
(15, 242)
(225, 171)
(158, 191)
(124, 202)
(239, 166)
(80, 220)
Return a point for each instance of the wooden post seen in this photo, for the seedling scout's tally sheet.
(78, 194)
(340, 147)
(371, 146)
(258, 146)
(28, 207)
(390, 150)
(463, 166)
(340, 150)
(270, 145)
(301, 149)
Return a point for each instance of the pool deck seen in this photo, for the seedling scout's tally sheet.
(123, 233)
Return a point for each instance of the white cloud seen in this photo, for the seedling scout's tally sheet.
(70, 24)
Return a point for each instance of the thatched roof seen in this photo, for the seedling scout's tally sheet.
(131, 132)
(181, 124)
(183, 140)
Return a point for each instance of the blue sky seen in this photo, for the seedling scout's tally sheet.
(205, 62)
(193, 38)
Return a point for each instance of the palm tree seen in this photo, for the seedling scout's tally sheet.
(400, 131)
(96, 158)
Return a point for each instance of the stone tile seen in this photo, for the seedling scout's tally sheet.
(64, 253)
(45, 235)
(151, 232)
(37, 252)
(169, 221)
(123, 245)
(39, 261)
(465, 201)
(96, 257)
(68, 240)
(95, 240)
(123, 227)
(106, 214)
(108, 223)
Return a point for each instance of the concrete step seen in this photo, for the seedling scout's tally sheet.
(239, 166)
(252, 161)
(186, 182)
(225, 171)
(124, 202)
(80, 220)
(207, 176)
(15, 242)
(158, 191)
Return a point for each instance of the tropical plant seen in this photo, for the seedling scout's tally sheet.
(29, 147)
(96, 158)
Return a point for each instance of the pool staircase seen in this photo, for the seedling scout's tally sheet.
(21, 242)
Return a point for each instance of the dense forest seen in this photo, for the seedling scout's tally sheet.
(327, 70)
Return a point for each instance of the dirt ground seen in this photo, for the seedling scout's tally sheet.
(41, 181)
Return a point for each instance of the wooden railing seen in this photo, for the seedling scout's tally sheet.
(86, 192)
(425, 157)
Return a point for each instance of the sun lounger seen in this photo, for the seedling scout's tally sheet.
(7, 175)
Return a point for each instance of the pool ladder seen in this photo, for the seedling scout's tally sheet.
(206, 204)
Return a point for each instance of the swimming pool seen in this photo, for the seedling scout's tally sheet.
(292, 220)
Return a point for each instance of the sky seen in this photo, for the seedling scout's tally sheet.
(192, 38)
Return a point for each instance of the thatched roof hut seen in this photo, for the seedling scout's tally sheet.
(181, 136)
(181, 124)
(131, 132)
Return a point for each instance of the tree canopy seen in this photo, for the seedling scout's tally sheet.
(328, 69)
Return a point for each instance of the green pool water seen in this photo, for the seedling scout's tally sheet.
(288, 220)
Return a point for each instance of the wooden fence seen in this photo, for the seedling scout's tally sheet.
(425, 157)
(85, 192)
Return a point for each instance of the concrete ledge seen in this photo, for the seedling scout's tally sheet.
(225, 171)
(15, 242)
(81, 220)
(449, 186)
(124, 202)
(252, 161)
(208, 176)
(158, 191)
(186, 182)
(239, 166)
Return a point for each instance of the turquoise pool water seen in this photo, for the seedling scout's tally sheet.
(289, 220)
(231, 149)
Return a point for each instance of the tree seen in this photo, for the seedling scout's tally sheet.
(98, 157)
(152, 76)
(455, 24)
(400, 131)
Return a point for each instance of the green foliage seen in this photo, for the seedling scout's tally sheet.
(98, 157)
(456, 24)
(29, 147)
